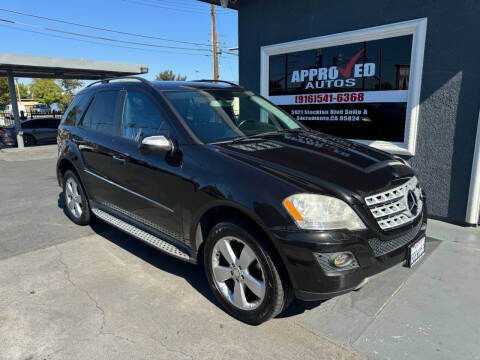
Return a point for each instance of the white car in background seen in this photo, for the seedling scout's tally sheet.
(8, 112)
(41, 109)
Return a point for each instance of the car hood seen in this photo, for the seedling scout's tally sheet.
(321, 162)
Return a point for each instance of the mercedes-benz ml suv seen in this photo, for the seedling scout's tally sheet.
(214, 174)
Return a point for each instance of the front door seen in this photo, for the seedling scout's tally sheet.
(150, 182)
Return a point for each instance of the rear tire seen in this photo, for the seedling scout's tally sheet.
(29, 140)
(76, 202)
(244, 274)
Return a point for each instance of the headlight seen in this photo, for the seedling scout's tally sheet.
(319, 212)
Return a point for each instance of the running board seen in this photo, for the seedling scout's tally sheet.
(141, 235)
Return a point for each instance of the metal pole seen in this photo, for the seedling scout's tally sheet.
(13, 98)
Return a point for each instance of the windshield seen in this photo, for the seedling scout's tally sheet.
(220, 115)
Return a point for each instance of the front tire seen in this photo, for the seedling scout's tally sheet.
(76, 203)
(244, 274)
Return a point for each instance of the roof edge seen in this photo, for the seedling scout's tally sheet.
(232, 4)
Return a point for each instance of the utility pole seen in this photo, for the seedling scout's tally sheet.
(13, 99)
(214, 45)
(18, 92)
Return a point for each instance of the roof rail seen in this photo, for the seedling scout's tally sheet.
(106, 81)
(220, 81)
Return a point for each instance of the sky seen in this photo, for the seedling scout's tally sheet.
(181, 20)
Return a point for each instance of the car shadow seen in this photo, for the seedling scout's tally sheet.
(193, 274)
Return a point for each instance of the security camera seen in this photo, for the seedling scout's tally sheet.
(224, 3)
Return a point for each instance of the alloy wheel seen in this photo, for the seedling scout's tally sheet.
(73, 198)
(238, 273)
(28, 141)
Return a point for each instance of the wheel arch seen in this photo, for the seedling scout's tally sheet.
(221, 212)
(63, 166)
(69, 159)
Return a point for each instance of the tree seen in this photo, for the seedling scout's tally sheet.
(5, 92)
(45, 91)
(24, 90)
(169, 75)
(69, 86)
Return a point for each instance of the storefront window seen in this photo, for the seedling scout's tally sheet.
(351, 86)
(359, 88)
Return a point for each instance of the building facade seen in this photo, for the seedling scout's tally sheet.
(402, 76)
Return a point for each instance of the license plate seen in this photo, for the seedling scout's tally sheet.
(415, 252)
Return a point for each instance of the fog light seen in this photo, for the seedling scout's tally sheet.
(341, 259)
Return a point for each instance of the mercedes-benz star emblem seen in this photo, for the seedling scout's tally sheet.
(412, 202)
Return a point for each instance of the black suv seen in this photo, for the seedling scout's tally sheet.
(213, 174)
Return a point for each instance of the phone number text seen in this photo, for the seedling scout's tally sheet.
(330, 98)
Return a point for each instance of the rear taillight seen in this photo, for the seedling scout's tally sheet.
(3, 131)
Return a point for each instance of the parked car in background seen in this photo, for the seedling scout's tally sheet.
(41, 109)
(35, 131)
(8, 112)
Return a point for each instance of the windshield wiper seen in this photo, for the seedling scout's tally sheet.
(254, 136)
(282, 131)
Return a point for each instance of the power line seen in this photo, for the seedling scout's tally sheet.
(104, 38)
(103, 44)
(101, 28)
(188, 5)
(165, 7)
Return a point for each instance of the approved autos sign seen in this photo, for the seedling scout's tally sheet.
(356, 91)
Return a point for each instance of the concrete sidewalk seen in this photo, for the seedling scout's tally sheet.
(428, 312)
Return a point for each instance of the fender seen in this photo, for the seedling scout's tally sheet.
(71, 153)
(196, 240)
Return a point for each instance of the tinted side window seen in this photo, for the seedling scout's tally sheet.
(73, 113)
(140, 117)
(103, 115)
(27, 125)
(53, 123)
(86, 120)
(39, 124)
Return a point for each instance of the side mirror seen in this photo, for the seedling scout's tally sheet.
(156, 145)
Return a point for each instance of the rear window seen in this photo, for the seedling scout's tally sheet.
(100, 115)
(75, 110)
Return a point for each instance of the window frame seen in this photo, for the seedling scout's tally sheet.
(417, 28)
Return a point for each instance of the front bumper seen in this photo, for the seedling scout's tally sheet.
(313, 281)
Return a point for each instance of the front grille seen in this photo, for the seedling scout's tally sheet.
(392, 209)
(382, 247)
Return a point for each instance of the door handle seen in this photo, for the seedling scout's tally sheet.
(119, 159)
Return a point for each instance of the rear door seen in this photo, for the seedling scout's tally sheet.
(95, 138)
